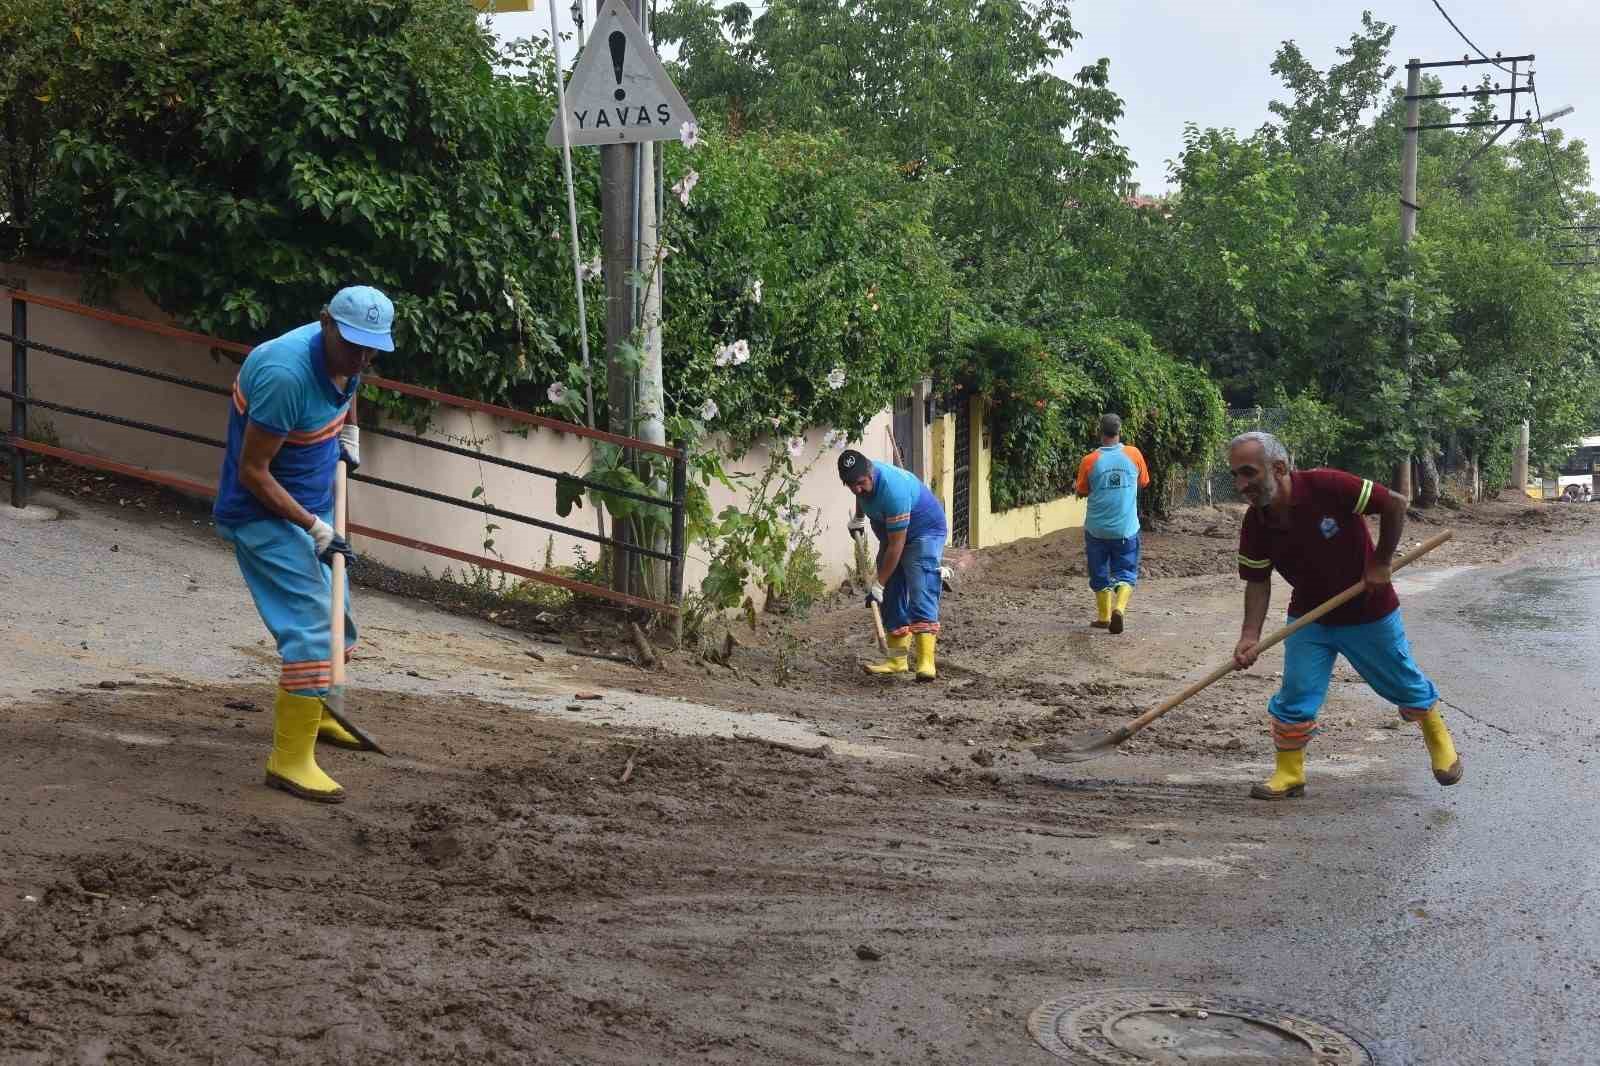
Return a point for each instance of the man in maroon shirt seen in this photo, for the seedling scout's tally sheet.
(1307, 525)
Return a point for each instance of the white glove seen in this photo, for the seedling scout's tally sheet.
(857, 525)
(321, 536)
(875, 593)
(350, 445)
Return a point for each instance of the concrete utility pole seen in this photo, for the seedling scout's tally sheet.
(1408, 220)
(652, 390)
(1408, 191)
(1519, 459)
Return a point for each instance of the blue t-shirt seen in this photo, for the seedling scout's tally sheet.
(899, 501)
(1111, 476)
(284, 388)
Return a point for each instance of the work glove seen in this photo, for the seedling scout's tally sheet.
(327, 543)
(350, 446)
(875, 594)
(857, 526)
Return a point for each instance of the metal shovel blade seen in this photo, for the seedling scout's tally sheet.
(1081, 748)
(333, 703)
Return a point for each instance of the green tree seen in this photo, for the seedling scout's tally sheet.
(962, 97)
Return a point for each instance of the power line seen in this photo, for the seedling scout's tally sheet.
(1464, 37)
(1549, 155)
(1544, 136)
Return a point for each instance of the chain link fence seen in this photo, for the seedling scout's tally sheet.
(1212, 486)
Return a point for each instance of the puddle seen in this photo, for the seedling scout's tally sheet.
(1530, 600)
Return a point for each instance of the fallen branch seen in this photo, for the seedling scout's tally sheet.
(821, 751)
(627, 769)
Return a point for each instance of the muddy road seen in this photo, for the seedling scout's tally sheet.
(676, 872)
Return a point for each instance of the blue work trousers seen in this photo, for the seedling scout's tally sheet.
(292, 590)
(1112, 562)
(911, 598)
(1381, 655)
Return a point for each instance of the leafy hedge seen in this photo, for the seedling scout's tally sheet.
(241, 160)
(1048, 393)
(821, 260)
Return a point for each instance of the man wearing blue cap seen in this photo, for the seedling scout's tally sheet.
(293, 419)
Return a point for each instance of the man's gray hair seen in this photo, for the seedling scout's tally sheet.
(1110, 425)
(1272, 449)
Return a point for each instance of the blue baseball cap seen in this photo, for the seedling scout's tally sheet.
(364, 317)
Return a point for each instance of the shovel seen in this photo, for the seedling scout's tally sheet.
(333, 702)
(877, 629)
(1088, 746)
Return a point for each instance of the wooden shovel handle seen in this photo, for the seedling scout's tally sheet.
(877, 628)
(1276, 638)
(336, 610)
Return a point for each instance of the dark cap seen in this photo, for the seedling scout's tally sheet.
(853, 466)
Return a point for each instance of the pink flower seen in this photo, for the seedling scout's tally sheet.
(685, 185)
(689, 134)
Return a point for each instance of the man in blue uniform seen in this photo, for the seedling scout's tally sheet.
(911, 529)
(1111, 476)
(293, 419)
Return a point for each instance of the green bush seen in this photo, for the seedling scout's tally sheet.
(851, 284)
(1047, 396)
(240, 160)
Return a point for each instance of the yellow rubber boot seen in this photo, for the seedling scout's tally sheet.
(1119, 606)
(292, 766)
(329, 731)
(1102, 609)
(1441, 749)
(925, 644)
(1287, 781)
(899, 646)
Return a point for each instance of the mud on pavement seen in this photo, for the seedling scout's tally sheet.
(510, 899)
(525, 885)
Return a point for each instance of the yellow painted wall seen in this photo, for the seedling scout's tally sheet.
(988, 529)
(942, 461)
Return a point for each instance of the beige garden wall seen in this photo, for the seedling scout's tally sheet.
(114, 392)
(828, 502)
(452, 527)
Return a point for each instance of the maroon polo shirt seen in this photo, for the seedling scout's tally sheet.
(1324, 550)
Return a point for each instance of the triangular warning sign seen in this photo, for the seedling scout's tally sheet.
(619, 92)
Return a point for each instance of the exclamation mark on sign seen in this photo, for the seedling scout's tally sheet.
(619, 47)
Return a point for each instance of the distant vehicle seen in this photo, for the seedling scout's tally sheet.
(1575, 480)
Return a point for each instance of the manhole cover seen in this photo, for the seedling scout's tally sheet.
(1143, 1026)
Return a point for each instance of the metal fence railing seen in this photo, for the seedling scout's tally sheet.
(22, 400)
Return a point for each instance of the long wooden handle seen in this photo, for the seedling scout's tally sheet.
(877, 628)
(1277, 638)
(336, 611)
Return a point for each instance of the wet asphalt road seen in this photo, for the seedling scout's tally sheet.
(1460, 925)
(1506, 967)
